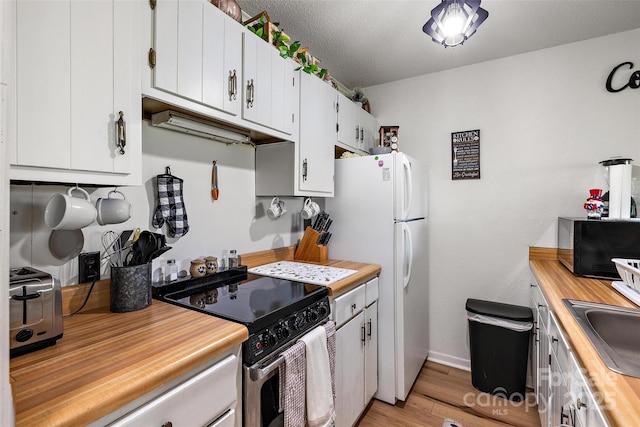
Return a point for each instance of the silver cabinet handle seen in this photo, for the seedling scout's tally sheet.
(369, 329)
(361, 134)
(250, 93)
(363, 333)
(357, 133)
(121, 134)
(580, 404)
(233, 85)
(304, 170)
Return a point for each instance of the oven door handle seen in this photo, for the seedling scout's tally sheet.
(261, 372)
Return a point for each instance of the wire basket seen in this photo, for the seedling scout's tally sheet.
(629, 270)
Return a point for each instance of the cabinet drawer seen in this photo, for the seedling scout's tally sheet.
(371, 291)
(348, 305)
(198, 401)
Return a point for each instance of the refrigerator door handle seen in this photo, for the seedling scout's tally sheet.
(408, 187)
(408, 254)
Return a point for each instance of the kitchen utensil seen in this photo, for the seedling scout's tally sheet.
(142, 249)
(155, 254)
(215, 192)
(124, 236)
(136, 235)
(113, 210)
(112, 248)
(66, 244)
(65, 212)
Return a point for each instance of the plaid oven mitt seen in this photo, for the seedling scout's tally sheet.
(170, 206)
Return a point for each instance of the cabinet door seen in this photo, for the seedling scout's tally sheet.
(198, 53)
(368, 130)
(207, 398)
(257, 57)
(371, 352)
(350, 371)
(43, 129)
(347, 122)
(66, 116)
(317, 135)
(587, 412)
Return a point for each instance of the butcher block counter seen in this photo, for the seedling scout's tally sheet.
(620, 393)
(106, 360)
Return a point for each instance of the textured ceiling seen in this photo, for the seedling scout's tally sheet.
(368, 42)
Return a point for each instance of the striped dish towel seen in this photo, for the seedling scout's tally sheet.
(293, 377)
(330, 329)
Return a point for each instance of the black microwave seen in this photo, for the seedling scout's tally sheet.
(586, 246)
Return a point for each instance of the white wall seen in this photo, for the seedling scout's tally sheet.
(546, 121)
(237, 220)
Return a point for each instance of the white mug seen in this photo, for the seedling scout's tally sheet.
(65, 212)
(113, 211)
(310, 209)
(277, 208)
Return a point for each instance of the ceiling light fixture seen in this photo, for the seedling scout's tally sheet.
(182, 123)
(452, 22)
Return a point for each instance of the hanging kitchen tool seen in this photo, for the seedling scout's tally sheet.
(215, 192)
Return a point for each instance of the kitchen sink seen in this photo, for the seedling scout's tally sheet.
(613, 331)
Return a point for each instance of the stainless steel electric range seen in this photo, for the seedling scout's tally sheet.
(277, 312)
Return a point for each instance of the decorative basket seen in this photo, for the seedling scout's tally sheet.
(629, 271)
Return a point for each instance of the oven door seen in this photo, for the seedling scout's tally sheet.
(261, 393)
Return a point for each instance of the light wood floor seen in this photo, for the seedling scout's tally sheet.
(442, 392)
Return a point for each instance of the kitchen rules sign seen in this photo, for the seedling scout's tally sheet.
(465, 155)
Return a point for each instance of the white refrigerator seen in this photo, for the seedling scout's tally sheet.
(379, 214)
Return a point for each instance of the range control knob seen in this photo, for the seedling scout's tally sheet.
(270, 339)
(283, 331)
(322, 310)
(299, 321)
(312, 315)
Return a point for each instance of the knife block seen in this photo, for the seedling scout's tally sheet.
(308, 250)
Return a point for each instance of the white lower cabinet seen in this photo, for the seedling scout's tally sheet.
(356, 317)
(208, 398)
(563, 395)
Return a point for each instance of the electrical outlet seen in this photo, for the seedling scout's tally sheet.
(88, 266)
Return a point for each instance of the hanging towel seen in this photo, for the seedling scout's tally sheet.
(330, 329)
(320, 408)
(292, 385)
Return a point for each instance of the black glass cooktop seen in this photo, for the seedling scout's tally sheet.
(255, 302)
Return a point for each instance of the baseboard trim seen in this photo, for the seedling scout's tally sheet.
(448, 360)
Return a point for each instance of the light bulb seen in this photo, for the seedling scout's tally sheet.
(453, 21)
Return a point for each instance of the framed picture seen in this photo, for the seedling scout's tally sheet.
(465, 154)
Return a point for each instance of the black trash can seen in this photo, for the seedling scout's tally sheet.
(499, 346)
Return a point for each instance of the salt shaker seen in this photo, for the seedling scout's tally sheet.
(170, 271)
(233, 258)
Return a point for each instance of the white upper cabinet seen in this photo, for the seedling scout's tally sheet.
(305, 167)
(357, 129)
(77, 67)
(197, 54)
(269, 86)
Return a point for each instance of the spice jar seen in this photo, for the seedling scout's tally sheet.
(233, 258)
(198, 268)
(211, 263)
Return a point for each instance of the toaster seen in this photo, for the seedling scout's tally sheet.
(35, 307)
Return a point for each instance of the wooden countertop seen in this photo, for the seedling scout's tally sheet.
(106, 360)
(620, 394)
(365, 271)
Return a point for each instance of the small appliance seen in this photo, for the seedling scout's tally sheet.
(586, 246)
(35, 306)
